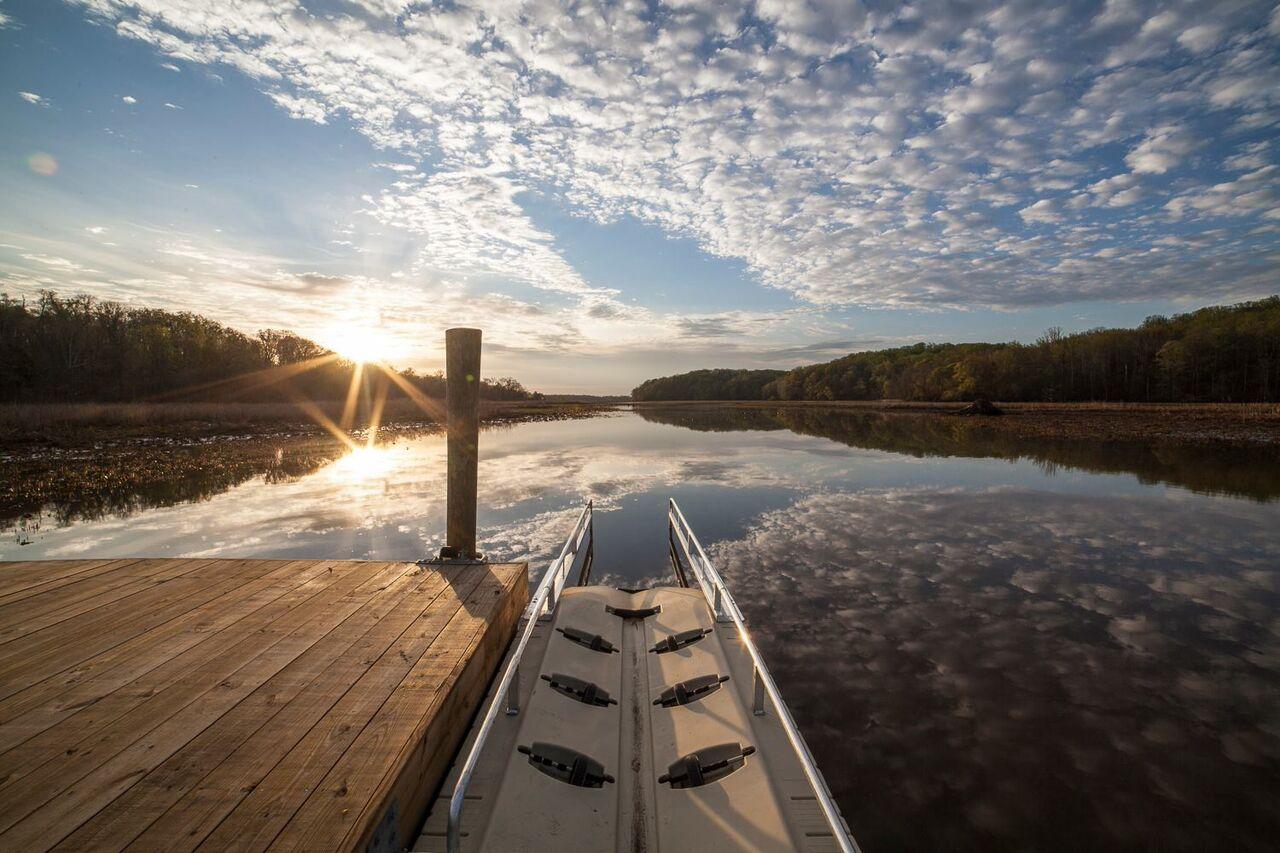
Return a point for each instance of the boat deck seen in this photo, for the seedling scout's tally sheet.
(186, 704)
(621, 687)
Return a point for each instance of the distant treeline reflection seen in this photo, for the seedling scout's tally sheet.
(1227, 354)
(1238, 471)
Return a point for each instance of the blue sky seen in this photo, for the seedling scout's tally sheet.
(620, 191)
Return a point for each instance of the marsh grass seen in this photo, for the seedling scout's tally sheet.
(79, 424)
(1236, 423)
(83, 461)
(59, 415)
(1235, 411)
(67, 485)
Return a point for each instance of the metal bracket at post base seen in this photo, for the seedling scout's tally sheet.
(451, 556)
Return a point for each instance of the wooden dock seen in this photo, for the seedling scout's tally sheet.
(238, 704)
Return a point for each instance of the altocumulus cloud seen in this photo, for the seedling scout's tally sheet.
(926, 154)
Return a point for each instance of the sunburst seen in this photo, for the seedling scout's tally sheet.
(360, 344)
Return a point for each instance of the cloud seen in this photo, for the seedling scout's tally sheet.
(1201, 37)
(1044, 210)
(129, 99)
(58, 263)
(1249, 157)
(471, 222)
(1162, 149)
(304, 108)
(319, 283)
(716, 325)
(33, 98)
(847, 155)
(823, 350)
(1254, 192)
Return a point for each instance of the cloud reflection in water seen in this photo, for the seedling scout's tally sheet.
(1011, 668)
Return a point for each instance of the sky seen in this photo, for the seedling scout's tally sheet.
(615, 192)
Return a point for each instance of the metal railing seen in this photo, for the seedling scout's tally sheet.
(540, 606)
(726, 610)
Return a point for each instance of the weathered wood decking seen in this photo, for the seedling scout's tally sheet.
(237, 704)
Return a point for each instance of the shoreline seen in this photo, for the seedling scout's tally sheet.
(43, 427)
(95, 460)
(1214, 423)
(40, 427)
(121, 467)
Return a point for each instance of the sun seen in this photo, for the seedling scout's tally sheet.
(361, 344)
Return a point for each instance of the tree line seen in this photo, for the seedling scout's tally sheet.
(708, 385)
(1219, 354)
(82, 349)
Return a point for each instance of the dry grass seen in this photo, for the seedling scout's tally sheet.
(1236, 423)
(61, 415)
(87, 424)
(1235, 410)
(80, 424)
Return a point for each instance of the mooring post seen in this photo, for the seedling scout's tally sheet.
(462, 395)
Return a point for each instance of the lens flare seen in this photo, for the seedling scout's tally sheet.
(43, 164)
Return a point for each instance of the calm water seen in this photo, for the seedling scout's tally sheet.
(989, 643)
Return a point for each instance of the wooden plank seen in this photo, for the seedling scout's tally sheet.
(198, 786)
(195, 625)
(260, 816)
(183, 645)
(416, 777)
(23, 580)
(115, 617)
(20, 573)
(53, 649)
(120, 748)
(20, 618)
(249, 711)
(340, 807)
(296, 663)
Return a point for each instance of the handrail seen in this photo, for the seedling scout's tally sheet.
(726, 610)
(543, 602)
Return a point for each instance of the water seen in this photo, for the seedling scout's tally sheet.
(989, 643)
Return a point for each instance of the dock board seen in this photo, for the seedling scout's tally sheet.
(198, 704)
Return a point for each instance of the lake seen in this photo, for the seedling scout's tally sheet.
(989, 642)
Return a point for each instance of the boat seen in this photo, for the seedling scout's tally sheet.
(634, 720)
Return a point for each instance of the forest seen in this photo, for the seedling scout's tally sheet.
(81, 349)
(1227, 354)
(708, 385)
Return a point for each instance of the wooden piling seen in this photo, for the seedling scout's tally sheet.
(462, 390)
